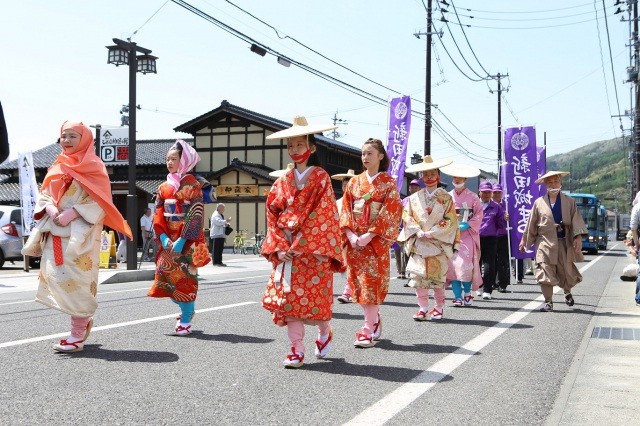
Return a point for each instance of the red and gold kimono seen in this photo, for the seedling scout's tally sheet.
(370, 207)
(179, 214)
(302, 217)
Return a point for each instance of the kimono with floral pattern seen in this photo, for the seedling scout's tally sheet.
(176, 273)
(370, 207)
(70, 254)
(429, 257)
(302, 217)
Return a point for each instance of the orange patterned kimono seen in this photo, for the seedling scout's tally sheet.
(302, 217)
(176, 272)
(370, 207)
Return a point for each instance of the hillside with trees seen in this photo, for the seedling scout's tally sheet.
(602, 168)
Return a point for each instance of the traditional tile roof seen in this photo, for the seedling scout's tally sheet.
(10, 194)
(270, 123)
(149, 152)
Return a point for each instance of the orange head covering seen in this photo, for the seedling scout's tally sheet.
(89, 171)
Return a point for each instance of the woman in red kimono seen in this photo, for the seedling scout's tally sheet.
(303, 244)
(371, 211)
(179, 224)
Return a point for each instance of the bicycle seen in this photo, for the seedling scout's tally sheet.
(239, 241)
(254, 244)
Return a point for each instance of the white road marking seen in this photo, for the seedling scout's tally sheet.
(118, 325)
(386, 408)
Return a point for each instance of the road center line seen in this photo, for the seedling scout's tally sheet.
(386, 408)
(118, 325)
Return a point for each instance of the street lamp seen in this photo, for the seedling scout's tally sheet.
(125, 53)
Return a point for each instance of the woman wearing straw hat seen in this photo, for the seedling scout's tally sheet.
(345, 297)
(464, 266)
(303, 244)
(371, 211)
(555, 227)
(430, 231)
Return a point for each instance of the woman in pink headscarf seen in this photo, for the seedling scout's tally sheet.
(179, 224)
(74, 203)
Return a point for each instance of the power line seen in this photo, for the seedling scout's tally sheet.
(309, 48)
(465, 37)
(548, 18)
(613, 73)
(531, 11)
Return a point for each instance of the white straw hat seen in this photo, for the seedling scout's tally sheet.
(549, 174)
(460, 170)
(300, 128)
(428, 163)
(278, 173)
(340, 176)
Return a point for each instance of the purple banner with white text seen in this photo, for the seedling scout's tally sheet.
(398, 139)
(521, 171)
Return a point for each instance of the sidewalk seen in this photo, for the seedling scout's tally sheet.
(16, 279)
(603, 384)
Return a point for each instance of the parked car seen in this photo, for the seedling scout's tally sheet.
(11, 240)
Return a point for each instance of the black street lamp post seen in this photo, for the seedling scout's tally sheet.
(125, 53)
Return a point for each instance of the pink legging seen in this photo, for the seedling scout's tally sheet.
(370, 318)
(295, 331)
(79, 326)
(423, 298)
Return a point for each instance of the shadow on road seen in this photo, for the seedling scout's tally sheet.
(96, 352)
(230, 338)
(378, 372)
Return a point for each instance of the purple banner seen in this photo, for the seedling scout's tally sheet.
(521, 171)
(399, 125)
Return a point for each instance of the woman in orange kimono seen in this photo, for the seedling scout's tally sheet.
(371, 211)
(74, 204)
(179, 224)
(303, 244)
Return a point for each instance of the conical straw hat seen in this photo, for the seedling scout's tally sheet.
(300, 128)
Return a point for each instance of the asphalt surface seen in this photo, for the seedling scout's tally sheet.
(497, 362)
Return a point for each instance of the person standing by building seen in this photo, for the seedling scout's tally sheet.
(503, 260)
(464, 266)
(370, 217)
(179, 226)
(345, 297)
(146, 227)
(74, 204)
(217, 227)
(492, 224)
(556, 228)
(302, 244)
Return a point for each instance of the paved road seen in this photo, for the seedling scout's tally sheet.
(498, 362)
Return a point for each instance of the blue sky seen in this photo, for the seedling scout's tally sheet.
(560, 74)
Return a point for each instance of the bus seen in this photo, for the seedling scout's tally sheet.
(603, 236)
(589, 208)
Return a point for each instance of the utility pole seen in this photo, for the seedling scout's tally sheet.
(335, 134)
(427, 89)
(636, 120)
(499, 77)
(427, 106)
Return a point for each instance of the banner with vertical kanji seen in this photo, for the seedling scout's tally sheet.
(398, 139)
(521, 172)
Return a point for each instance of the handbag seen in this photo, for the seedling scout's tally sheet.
(228, 230)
